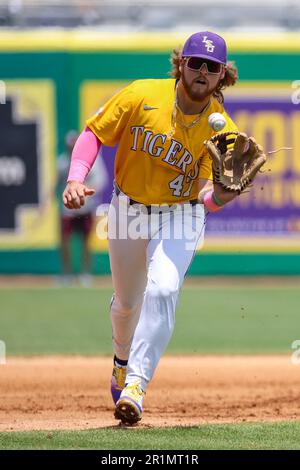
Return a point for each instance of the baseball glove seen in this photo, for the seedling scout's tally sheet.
(236, 159)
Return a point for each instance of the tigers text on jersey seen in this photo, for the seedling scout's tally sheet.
(154, 165)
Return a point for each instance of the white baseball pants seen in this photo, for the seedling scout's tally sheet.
(148, 266)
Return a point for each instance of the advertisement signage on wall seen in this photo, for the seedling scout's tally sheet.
(28, 166)
(51, 82)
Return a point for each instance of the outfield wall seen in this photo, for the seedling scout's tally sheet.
(54, 80)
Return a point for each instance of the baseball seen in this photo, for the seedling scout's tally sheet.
(216, 121)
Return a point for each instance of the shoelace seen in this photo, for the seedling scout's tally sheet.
(135, 390)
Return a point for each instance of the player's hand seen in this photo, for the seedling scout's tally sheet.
(75, 193)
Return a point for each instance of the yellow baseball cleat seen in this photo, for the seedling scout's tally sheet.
(130, 405)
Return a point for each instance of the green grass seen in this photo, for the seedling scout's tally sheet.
(226, 436)
(209, 320)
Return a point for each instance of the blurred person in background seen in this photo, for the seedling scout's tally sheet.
(79, 221)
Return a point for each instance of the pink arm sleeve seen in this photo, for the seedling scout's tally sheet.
(209, 202)
(84, 155)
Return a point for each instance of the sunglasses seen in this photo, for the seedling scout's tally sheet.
(196, 63)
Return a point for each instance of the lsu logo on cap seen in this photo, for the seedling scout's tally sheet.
(208, 44)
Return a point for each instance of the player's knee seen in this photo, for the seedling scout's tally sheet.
(124, 307)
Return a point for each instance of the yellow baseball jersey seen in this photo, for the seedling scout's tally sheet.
(155, 164)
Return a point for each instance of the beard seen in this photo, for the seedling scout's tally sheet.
(195, 91)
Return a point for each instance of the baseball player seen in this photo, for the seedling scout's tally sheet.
(164, 172)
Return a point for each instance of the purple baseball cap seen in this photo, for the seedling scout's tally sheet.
(207, 45)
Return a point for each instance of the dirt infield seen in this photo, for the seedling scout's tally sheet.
(73, 392)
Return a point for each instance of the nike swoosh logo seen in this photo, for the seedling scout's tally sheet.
(148, 108)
